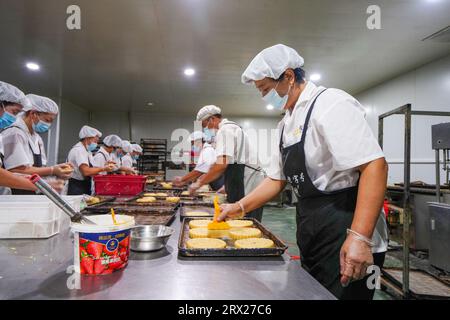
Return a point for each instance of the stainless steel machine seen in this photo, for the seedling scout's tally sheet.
(439, 252)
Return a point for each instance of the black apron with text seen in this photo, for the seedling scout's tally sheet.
(37, 163)
(234, 181)
(322, 220)
(78, 187)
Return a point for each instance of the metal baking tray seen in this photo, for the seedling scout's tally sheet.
(278, 250)
(188, 203)
(183, 209)
(103, 199)
(154, 219)
(161, 216)
(129, 208)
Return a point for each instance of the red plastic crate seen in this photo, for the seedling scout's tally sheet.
(116, 185)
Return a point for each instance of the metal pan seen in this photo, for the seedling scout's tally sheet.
(185, 209)
(230, 251)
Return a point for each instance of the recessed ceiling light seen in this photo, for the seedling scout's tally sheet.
(33, 66)
(269, 107)
(315, 77)
(150, 104)
(189, 72)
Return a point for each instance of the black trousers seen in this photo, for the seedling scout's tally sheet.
(321, 231)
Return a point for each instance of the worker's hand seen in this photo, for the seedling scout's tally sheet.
(63, 170)
(230, 211)
(194, 187)
(356, 256)
(57, 184)
(178, 182)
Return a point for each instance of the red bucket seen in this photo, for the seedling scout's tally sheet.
(119, 185)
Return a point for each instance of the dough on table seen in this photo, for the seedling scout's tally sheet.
(240, 223)
(199, 223)
(254, 243)
(146, 200)
(205, 243)
(244, 233)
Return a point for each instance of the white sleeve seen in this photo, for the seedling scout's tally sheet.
(99, 160)
(16, 150)
(225, 143)
(275, 170)
(127, 162)
(206, 159)
(80, 157)
(348, 135)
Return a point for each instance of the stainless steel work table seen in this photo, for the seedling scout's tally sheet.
(36, 269)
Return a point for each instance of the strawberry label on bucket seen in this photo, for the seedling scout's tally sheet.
(103, 253)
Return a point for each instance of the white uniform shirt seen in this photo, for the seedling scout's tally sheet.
(79, 155)
(206, 158)
(337, 142)
(228, 140)
(17, 143)
(101, 158)
(127, 161)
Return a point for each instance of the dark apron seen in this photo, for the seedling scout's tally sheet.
(323, 218)
(37, 162)
(78, 187)
(218, 183)
(234, 181)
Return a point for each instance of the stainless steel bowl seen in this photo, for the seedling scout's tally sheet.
(150, 238)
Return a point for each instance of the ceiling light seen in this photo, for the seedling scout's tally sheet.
(33, 66)
(150, 104)
(189, 72)
(269, 107)
(315, 77)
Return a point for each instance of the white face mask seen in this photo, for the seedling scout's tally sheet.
(274, 99)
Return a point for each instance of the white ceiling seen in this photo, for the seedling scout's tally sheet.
(132, 52)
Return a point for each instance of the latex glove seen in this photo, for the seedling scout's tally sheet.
(177, 181)
(194, 187)
(109, 168)
(57, 184)
(355, 257)
(230, 211)
(63, 170)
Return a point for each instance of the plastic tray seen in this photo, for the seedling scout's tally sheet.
(117, 185)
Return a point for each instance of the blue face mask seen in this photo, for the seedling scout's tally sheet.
(91, 147)
(274, 99)
(6, 120)
(41, 126)
(135, 157)
(196, 149)
(209, 133)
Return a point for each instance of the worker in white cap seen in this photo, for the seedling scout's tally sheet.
(127, 160)
(80, 156)
(236, 158)
(12, 102)
(203, 162)
(24, 151)
(329, 155)
(137, 152)
(104, 155)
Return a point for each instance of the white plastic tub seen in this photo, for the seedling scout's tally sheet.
(31, 217)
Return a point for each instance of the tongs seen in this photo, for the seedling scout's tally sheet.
(47, 190)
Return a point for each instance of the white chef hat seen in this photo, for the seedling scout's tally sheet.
(89, 132)
(41, 104)
(136, 148)
(10, 93)
(196, 135)
(208, 111)
(112, 141)
(126, 146)
(272, 62)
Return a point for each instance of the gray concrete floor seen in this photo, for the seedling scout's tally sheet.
(281, 221)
